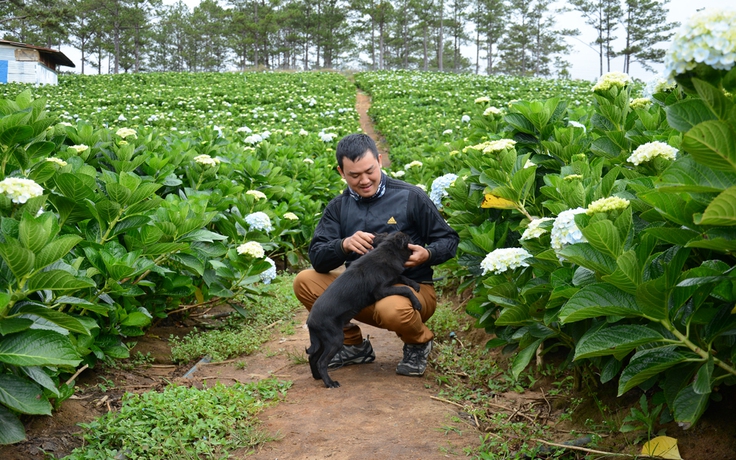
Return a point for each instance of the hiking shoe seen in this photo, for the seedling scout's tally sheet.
(415, 359)
(353, 354)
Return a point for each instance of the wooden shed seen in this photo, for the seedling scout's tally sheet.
(24, 63)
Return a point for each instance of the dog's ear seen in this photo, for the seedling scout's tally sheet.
(379, 238)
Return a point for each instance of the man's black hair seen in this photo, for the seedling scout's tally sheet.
(354, 146)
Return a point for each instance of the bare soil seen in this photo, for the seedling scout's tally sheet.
(375, 414)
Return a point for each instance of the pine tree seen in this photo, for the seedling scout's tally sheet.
(603, 16)
(645, 23)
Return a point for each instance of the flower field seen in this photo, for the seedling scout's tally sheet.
(592, 220)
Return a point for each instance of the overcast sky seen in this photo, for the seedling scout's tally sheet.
(584, 58)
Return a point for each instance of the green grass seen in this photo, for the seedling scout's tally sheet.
(242, 335)
(182, 422)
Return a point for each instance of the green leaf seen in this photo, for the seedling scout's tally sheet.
(686, 175)
(628, 273)
(714, 97)
(713, 144)
(136, 319)
(36, 347)
(40, 377)
(57, 280)
(514, 316)
(19, 259)
(599, 299)
(117, 193)
(40, 149)
(11, 429)
(676, 236)
(684, 115)
(522, 359)
(648, 363)
(76, 187)
(60, 319)
(55, 250)
(23, 395)
(689, 406)
(163, 248)
(108, 211)
(11, 325)
(617, 340)
(15, 135)
(720, 211)
(586, 256)
(604, 237)
(703, 379)
(653, 296)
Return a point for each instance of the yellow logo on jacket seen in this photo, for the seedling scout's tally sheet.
(391, 221)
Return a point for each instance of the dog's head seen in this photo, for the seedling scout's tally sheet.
(397, 241)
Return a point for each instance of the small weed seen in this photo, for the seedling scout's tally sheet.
(641, 418)
(106, 384)
(296, 358)
(444, 321)
(239, 335)
(181, 422)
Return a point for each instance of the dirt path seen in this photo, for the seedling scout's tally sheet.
(375, 414)
(362, 104)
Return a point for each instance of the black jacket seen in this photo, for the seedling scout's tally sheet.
(403, 207)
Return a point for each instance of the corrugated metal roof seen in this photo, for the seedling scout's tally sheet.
(57, 56)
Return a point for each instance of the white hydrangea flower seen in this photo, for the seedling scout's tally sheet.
(503, 259)
(259, 221)
(482, 100)
(492, 111)
(465, 119)
(78, 148)
(58, 161)
(126, 133)
(565, 231)
(607, 204)
(646, 152)
(446, 132)
(19, 189)
(257, 194)
(303, 132)
(206, 160)
(244, 129)
(499, 145)
(576, 124)
(253, 139)
(252, 248)
(611, 79)
(413, 164)
(308, 161)
(708, 37)
(290, 216)
(327, 137)
(529, 164)
(422, 186)
(64, 123)
(640, 103)
(270, 274)
(439, 188)
(533, 230)
(572, 177)
(398, 173)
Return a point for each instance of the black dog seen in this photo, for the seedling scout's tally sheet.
(364, 282)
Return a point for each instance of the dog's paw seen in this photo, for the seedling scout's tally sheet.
(333, 384)
(417, 306)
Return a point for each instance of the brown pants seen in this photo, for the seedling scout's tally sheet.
(394, 313)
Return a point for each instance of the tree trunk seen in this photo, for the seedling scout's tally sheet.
(425, 38)
(441, 44)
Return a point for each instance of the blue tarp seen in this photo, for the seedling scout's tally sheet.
(3, 71)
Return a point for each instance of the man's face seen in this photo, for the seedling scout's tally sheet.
(364, 175)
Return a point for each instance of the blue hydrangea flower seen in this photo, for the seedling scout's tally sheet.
(439, 188)
(270, 274)
(259, 221)
(707, 37)
(565, 231)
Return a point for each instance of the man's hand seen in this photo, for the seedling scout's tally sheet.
(359, 243)
(419, 255)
